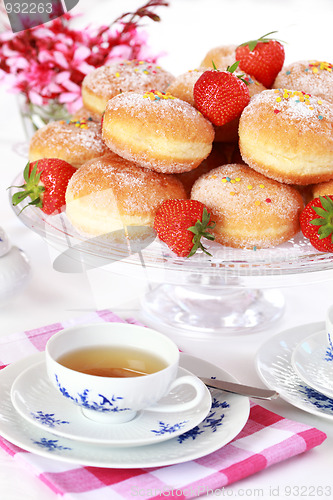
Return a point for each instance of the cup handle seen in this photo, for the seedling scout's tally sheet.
(200, 390)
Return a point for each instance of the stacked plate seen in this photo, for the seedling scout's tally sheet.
(298, 363)
(37, 418)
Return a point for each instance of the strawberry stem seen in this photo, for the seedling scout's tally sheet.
(31, 188)
(263, 39)
(325, 220)
(201, 229)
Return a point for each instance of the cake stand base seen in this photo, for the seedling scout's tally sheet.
(210, 313)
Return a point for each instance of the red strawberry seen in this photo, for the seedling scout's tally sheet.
(317, 223)
(221, 96)
(181, 224)
(45, 183)
(263, 59)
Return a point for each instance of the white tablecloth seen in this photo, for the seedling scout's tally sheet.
(189, 28)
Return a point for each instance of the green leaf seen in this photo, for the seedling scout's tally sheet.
(324, 231)
(317, 222)
(26, 172)
(326, 203)
(18, 197)
(320, 211)
(233, 67)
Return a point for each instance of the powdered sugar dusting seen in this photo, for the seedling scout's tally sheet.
(256, 209)
(297, 108)
(117, 77)
(135, 189)
(66, 136)
(315, 77)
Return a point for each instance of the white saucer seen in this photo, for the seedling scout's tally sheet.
(312, 359)
(227, 417)
(36, 399)
(274, 366)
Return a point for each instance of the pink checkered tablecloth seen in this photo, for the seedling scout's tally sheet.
(265, 440)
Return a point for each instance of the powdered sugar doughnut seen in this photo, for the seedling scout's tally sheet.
(216, 158)
(110, 193)
(75, 141)
(157, 131)
(105, 82)
(182, 87)
(249, 209)
(314, 77)
(322, 189)
(288, 136)
(222, 56)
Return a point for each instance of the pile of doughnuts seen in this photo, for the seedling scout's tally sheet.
(139, 140)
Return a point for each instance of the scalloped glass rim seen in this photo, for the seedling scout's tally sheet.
(293, 257)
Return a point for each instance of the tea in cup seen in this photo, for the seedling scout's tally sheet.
(114, 370)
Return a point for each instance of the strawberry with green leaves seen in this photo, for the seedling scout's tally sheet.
(181, 224)
(221, 96)
(263, 58)
(317, 223)
(45, 184)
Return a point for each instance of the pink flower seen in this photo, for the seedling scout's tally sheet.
(50, 61)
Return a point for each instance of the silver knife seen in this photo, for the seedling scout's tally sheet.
(243, 390)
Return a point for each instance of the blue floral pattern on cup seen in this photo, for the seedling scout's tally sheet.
(83, 399)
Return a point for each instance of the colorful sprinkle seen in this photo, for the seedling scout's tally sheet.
(317, 66)
(257, 203)
(268, 200)
(77, 123)
(249, 186)
(156, 95)
(261, 186)
(297, 96)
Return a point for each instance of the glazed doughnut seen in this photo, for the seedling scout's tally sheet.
(222, 56)
(75, 141)
(109, 193)
(287, 135)
(105, 82)
(250, 210)
(182, 87)
(157, 131)
(314, 77)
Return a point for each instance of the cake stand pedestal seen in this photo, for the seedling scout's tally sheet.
(210, 313)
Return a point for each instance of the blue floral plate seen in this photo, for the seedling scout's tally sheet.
(275, 367)
(312, 359)
(226, 418)
(38, 401)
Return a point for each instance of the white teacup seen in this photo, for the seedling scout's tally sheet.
(115, 399)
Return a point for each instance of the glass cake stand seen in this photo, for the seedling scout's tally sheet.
(233, 292)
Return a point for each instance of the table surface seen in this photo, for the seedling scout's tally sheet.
(187, 31)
